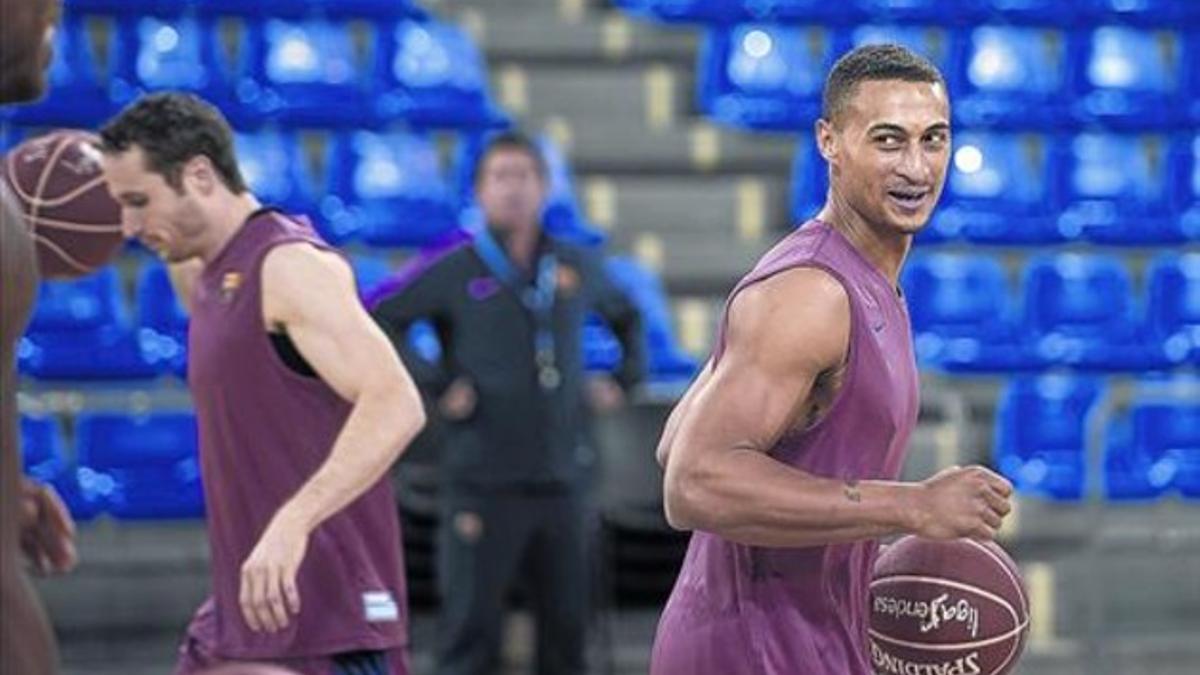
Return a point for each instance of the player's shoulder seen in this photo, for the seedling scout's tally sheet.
(801, 290)
(303, 265)
(805, 307)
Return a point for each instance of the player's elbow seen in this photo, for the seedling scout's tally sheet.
(404, 412)
(687, 501)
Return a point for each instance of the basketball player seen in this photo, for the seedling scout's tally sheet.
(33, 522)
(301, 402)
(783, 455)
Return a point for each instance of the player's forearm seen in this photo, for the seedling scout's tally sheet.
(751, 498)
(381, 425)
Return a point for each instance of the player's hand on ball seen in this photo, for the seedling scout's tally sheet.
(268, 593)
(962, 502)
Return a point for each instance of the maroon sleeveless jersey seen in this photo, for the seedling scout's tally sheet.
(752, 610)
(264, 431)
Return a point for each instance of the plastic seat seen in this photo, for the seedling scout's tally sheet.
(1174, 304)
(81, 330)
(730, 11)
(392, 187)
(1131, 78)
(962, 315)
(1119, 190)
(809, 181)
(434, 77)
(1080, 311)
(76, 94)
(164, 322)
(276, 168)
(1041, 426)
(764, 76)
(1142, 12)
(141, 467)
(665, 359)
(1014, 77)
(1002, 189)
(45, 459)
(1188, 186)
(1156, 449)
(311, 73)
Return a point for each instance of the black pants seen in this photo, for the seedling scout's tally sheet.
(483, 539)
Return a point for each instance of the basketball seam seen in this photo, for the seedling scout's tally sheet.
(951, 646)
(1012, 653)
(66, 257)
(90, 228)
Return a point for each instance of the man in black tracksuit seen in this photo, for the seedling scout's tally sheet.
(509, 310)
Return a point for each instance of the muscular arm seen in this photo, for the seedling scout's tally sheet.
(311, 295)
(782, 333)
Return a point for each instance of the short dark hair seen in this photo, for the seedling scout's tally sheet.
(172, 128)
(873, 63)
(512, 140)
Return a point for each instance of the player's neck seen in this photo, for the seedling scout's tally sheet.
(520, 244)
(234, 214)
(883, 248)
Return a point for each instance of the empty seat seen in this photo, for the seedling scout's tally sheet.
(81, 330)
(1142, 12)
(1189, 188)
(1173, 310)
(1131, 77)
(164, 322)
(1080, 312)
(1014, 77)
(45, 459)
(1002, 189)
(1119, 190)
(369, 271)
(141, 467)
(435, 77)
(810, 180)
(1041, 434)
(393, 187)
(729, 11)
(764, 76)
(276, 167)
(962, 315)
(665, 359)
(312, 72)
(1156, 449)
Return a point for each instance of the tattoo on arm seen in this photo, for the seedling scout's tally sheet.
(850, 489)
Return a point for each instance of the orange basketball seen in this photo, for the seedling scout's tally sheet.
(60, 188)
(946, 607)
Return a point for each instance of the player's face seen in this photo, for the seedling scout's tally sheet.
(26, 29)
(891, 150)
(165, 220)
(511, 189)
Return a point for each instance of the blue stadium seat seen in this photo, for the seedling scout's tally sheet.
(1040, 442)
(1189, 188)
(941, 46)
(141, 467)
(1155, 449)
(1131, 78)
(1173, 310)
(76, 94)
(311, 72)
(164, 322)
(810, 180)
(81, 330)
(764, 76)
(1002, 189)
(1142, 12)
(962, 314)
(180, 51)
(665, 359)
(392, 187)
(1120, 190)
(276, 168)
(434, 77)
(944, 12)
(369, 271)
(1014, 77)
(1080, 311)
(1040, 12)
(45, 459)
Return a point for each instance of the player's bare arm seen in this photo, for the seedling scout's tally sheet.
(782, 334)
(310, 294)
(663, 452)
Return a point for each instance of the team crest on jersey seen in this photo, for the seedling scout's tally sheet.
(230, 283)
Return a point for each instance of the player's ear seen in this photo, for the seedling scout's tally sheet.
(199, 175)
(826, 136)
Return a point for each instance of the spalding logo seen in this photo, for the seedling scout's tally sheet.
(886, 664)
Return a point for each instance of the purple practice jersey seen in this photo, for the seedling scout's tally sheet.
(264, 431)
(753, 610)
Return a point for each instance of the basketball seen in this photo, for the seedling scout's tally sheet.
(248, 669)
(58, 183)
(946, 608)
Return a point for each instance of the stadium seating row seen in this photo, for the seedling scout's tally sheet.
(1074, 310)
